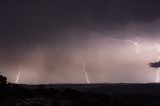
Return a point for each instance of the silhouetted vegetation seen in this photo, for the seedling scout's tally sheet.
(3, 81)
(68, 97)
(20, 95)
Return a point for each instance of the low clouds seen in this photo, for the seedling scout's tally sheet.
(155, 65)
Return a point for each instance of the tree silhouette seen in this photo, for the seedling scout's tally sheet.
(3, 81)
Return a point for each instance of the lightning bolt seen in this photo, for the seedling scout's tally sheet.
(136, 44)
(157, 74)
(158, 59)
(155, 46)
(86, 75)
(17, 77)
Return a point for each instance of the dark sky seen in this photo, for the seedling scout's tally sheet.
(24, 21)
(52, 33)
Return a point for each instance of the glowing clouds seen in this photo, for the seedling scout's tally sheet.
(108, 60)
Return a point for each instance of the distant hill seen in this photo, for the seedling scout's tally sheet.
(115, 88)
(120, 94)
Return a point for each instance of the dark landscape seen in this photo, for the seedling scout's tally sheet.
(118, 94)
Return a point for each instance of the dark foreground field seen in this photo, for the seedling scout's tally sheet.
(81, 95)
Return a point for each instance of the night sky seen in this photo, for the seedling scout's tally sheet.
(49, 41)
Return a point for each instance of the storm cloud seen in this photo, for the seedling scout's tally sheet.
(49, 40)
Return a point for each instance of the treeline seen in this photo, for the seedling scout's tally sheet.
(15, 95)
